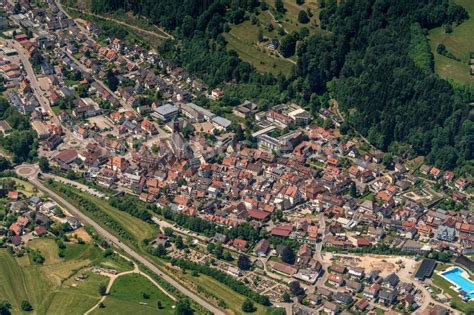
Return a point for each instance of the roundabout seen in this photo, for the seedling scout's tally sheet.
(26, 170)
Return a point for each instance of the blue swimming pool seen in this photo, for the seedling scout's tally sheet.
(456, 276)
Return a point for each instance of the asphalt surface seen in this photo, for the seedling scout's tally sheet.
(30, 74)
(114, 240)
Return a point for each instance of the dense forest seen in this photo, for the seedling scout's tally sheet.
(376, 63)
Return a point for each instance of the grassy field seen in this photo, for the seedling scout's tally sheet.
(243, 37)
(289, 20)
(138, 228)
(43, 286)
(459, 43)
(127, 297)
(232, 299)
(92, 252)
(456, 301)
(76, 297)
(12, 280)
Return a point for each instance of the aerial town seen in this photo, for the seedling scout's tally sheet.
(309, 218)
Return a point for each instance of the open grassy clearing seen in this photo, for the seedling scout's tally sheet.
(127, 296)
(289, 20)
(12, 281)
(138, 228)
(95, 254)
(48, 249)
(459, 43)
(20, 279)
(51, 287)
(24, 187)
(120, 307)
(243, 38)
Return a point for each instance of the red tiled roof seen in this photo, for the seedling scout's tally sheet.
(363, 242)
(282, 230)
(13, 195)
(258, 214)
(240, 244)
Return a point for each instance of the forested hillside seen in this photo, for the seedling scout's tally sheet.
(372, 63)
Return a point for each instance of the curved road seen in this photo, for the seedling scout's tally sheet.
(31, 171)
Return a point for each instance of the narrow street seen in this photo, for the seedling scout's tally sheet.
(104, 86)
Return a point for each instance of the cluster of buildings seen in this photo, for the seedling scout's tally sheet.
(352, 287)
(149, 138)
(33, 217)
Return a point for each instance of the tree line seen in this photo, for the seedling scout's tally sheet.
(22, 140)
(90, 207)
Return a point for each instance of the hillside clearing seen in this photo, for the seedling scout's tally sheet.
(459, 43)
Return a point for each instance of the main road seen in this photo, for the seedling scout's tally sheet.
(35, 86)
(30, 74)
(31, 172)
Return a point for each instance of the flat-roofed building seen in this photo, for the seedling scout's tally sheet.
(166, 112)
(426, 269)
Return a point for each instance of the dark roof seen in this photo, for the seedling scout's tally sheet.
(220, 237)
(15, 240)
(262, 246)
(344, 298)
(392, 279)
(325, 292)
(425, 270)
(388, 294)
